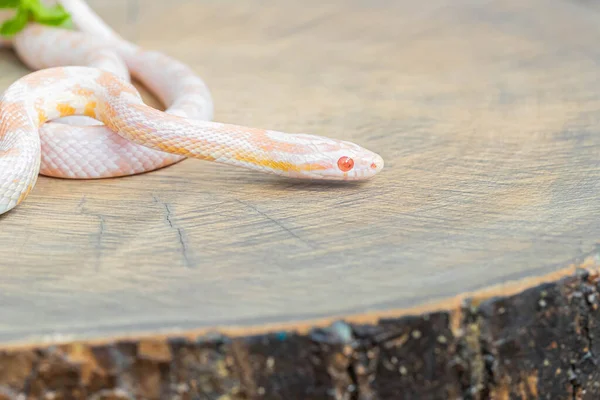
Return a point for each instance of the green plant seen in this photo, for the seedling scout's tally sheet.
(33, 10)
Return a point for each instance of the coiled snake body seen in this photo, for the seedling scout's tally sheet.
(87, 74)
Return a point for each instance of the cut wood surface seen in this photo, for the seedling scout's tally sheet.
(487, 115)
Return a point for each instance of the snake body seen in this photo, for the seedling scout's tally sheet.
(86, 74)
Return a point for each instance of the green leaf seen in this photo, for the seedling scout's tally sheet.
(33, 10)
(9, 3)
(15, 24)
(67, 24)
(54, 15)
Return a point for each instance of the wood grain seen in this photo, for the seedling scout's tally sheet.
(487, 115)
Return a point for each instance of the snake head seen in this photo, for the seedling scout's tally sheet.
(325, 158)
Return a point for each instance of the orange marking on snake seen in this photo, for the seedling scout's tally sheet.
(109, 112)
(9, 107)
(182, 151)
(90, 109)
(38, 81)
(81, 91)
(42, 117)
(65, 109)
(24, 194)
(147, 113)
(10, 152)
(12, 123)
(280, 165)
(261, 139)
(114, 86)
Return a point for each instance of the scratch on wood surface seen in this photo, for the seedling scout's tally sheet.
(100, 232)
(278, 223)
(180, 234)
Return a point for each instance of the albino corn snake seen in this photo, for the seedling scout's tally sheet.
(86, 73)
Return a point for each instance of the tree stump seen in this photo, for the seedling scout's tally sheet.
(467, 269)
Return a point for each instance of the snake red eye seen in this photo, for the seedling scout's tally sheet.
(345, 163)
